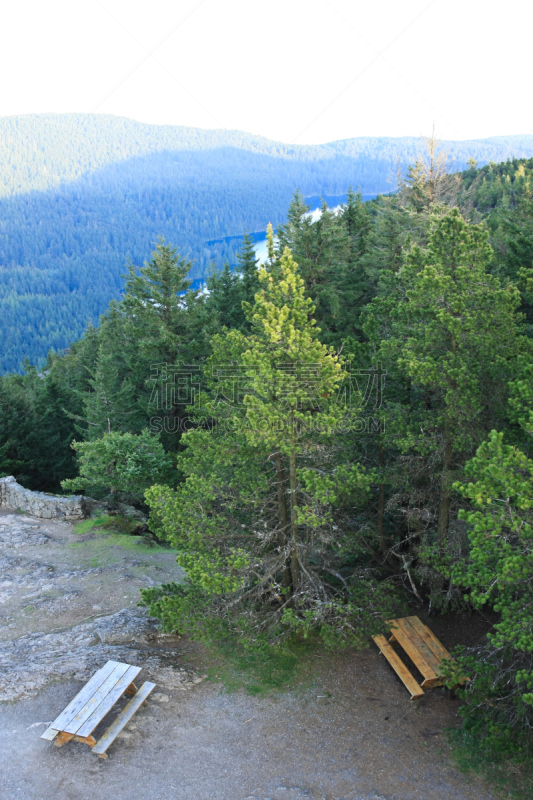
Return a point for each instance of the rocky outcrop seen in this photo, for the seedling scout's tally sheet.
(38, 504)
(27, 664)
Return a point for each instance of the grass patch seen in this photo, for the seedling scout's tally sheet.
(107, 522)
(123, 540)
(511, 779)
(266, 670)
(88, 524)
(113, 535)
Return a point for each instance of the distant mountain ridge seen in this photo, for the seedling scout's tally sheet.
(40, 151)
(80, 195)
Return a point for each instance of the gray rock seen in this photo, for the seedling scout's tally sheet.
(27, 664)
(38, 504)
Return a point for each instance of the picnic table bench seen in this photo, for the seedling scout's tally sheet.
(86, 711)
(422, 647)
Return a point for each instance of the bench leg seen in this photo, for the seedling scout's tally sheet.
(430, 683)
(86, 740)
(132, 690)
(62, 739)
(123, 718)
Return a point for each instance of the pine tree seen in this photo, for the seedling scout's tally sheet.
(356, 218)
(498, 573)
(253, 520)
(293, 231)
(248, 270)
(230, 288)
(283, 398)
(35, 432)
(157, 298)
(451, 329)
(322, 250)
(223, 303)
(428, 183)
(110, 399)
(513, 242)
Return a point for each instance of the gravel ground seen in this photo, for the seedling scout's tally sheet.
(353, 735)
(349, 732)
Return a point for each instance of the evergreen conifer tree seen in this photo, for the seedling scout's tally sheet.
(452, 330)
(251, 520)
(248, 270)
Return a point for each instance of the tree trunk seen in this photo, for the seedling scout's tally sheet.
(381, 499)
(295, 564)
(286, 580)
(445, 487)
(445, 493)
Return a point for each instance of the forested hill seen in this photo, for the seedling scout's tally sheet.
(43, 151)
(81, 195)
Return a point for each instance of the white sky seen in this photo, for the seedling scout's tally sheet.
(304, 71)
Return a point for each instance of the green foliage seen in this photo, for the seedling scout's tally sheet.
(231, 289)
(502, 763)
(498, 572)
(153, 303)
(143, 343)
(171, 603)
(253, 540)
(450, 330)
(112, 522)
(329, 253)
(238, 662)
(119, 462)
(521, 397)
(35, 433)
(500, 568)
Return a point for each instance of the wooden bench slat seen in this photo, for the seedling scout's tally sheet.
(425, 652)
(430, 639)
(125, 715)
(421, 656)
(399, 667)
(85, 694)
(92, 702)
(49, 734)
(434, 644)
(107, 702)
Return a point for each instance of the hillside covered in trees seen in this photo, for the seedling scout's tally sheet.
(82, 195)
(337, 436)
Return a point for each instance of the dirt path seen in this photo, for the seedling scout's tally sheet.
(350, 734)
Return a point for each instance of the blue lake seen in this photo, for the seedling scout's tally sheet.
(314, 202)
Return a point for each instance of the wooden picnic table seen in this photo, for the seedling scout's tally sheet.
(87, 710)
(422, 647)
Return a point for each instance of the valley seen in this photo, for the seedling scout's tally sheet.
(72, 215)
